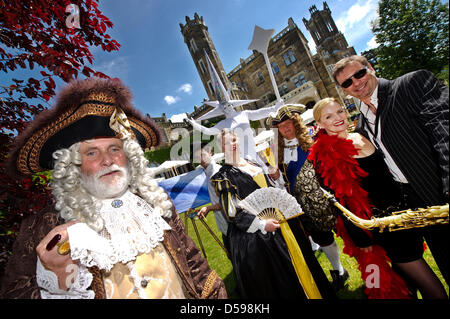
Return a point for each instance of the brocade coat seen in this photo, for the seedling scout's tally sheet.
(19, 280)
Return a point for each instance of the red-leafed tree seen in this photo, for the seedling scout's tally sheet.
(49, 39)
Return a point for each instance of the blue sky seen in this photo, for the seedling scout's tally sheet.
(155, 62)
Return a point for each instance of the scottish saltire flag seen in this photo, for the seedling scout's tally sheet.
(189, 190)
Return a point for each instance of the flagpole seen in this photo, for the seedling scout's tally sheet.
(272, 78)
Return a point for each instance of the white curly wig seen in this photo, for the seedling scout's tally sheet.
(73, 202)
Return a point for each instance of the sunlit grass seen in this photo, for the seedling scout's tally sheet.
(219, 261)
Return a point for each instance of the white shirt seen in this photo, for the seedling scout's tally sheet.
(364, 108)
(290, 154)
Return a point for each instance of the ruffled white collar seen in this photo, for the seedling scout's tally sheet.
(290, 150)
(131, 227)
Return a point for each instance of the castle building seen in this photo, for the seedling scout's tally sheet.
(302, 77)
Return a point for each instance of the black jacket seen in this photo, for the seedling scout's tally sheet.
(414, 114)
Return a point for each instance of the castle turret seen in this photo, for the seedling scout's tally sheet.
(330, 42)
(198, 40)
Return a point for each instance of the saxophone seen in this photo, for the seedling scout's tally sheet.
(404, 219)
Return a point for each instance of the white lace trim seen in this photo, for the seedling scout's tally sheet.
(270, 197)
(130, 229)
(49, 287)
(290, 154)
(257, 224)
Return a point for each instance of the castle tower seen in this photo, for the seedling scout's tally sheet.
(330, 42)
(198, 40)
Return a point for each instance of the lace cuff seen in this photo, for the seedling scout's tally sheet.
(257, 224)
(49, 286)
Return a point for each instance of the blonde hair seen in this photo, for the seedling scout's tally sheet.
(318, 107)
(74, 202)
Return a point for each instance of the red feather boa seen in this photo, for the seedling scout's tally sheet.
(333, 160)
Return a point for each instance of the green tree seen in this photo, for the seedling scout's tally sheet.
(412, 35)
(371, 56)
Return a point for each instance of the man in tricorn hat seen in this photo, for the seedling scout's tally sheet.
(113, 232)
(300, 180)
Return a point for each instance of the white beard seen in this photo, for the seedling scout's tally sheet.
(101, 190)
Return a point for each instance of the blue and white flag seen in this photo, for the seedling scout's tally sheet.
(189, 190)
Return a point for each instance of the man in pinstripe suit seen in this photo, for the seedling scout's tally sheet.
(408, 120)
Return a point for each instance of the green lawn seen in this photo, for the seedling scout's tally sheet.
(218, 261)
(215, 255)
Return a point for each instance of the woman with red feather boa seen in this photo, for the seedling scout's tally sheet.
(351, 167)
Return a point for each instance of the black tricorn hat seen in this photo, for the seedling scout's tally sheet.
(82, 111)
(285, 113)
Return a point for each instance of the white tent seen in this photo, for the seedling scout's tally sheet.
(264, 136)
(307, 116)
(178, 118)
(167, 166)
(263, 140)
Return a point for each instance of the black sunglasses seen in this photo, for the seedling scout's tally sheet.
(357, 75)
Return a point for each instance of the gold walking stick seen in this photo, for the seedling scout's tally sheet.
(215, 237)
(404, 219)
(191, 217)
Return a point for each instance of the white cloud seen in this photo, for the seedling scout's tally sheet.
(372, 43)
(115, 68)
(171, 99)
(355, 22)
(186, 88)
(355, 14)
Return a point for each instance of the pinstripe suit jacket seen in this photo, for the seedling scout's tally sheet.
(414, 114)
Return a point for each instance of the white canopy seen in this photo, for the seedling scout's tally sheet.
(307, 116)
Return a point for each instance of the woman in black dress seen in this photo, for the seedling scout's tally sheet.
(259, 254)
